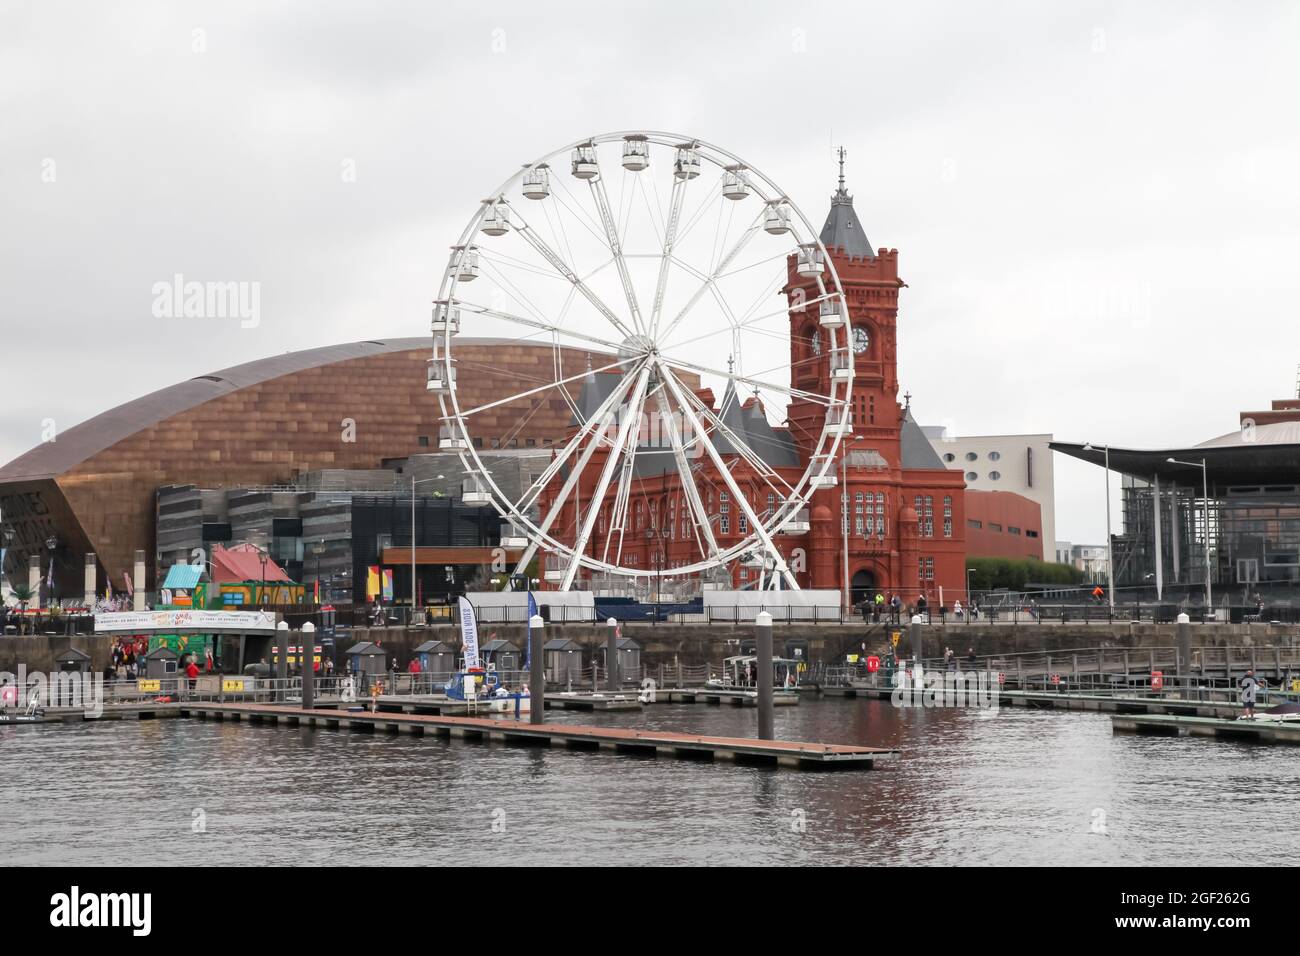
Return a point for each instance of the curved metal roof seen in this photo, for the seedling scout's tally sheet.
(51, 459)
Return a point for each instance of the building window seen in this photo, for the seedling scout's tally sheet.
(424, 441)
(994, 475)
(742, 522)
(994, 455)
(994, 527)
(925, 515)
(530, 442)
(880, 514)
(1034, 534)
(925, 569)
(971, 476)
(972, 523)
(971, 456)
(947, 516)
(1012, 529)
(949, 456)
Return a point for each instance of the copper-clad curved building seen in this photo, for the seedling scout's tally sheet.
(261, 423)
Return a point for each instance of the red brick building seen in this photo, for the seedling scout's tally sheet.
(1003, 524)
(896, 509)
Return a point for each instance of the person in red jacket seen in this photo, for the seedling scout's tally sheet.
(192, 672)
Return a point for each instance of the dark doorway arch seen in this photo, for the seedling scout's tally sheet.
(862, 587)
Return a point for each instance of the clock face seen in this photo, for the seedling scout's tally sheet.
(860, 339)
(817, 342)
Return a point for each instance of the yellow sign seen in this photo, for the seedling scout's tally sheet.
(149, 686)
(1295, 685)
(853, 658)
(894, 637)
(235, 685)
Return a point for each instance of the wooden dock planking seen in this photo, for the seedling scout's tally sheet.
(576, 736)
(1166, 725)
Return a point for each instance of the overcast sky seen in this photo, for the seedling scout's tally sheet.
(1095, 204)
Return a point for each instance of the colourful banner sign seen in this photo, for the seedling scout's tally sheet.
(468, 633)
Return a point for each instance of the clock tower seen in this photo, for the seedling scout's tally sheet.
(870, 281)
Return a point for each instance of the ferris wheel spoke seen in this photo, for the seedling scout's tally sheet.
(536, 324)
(534, 239)
(752, 381)
(593, 427)
(597, 187)
(559, 383)
(602, 484)
(670, 238)
(754, 521)
(710, 279)
(700, 517)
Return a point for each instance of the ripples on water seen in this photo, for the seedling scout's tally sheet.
(1021, 788)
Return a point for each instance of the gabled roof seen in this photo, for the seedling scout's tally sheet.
(243, 562)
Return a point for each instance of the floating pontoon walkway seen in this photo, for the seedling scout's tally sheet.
(1169, 703)
(1163, 725)
(781, 753)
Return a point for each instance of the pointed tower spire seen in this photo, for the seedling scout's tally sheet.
(842, 232)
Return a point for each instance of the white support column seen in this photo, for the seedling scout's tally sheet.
(34, 578)
(88, 597)
(137, 583)
(1160, 564)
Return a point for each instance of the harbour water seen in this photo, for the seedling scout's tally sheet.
(1021, 787)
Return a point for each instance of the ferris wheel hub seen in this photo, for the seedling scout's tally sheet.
(636, 346)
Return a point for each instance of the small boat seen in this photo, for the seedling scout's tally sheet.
(488, 692)
(24, 718)
(1280, 713)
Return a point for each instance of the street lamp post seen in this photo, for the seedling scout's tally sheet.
(1110, 563)
(51, 543)
(415, 481)
(968, 595)
(1205, 480)
(844, 515)
(318, 549)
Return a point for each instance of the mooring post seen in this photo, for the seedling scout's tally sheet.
(282, 663)
(763, 650)
(918, 649)
(611, 655)
(308, 657)
(536, 672)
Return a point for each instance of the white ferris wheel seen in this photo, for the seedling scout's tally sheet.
(663, 262)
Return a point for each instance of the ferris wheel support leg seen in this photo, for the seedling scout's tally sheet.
(598, 423)
(693, 502)
(632, 417)
(755, 521)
